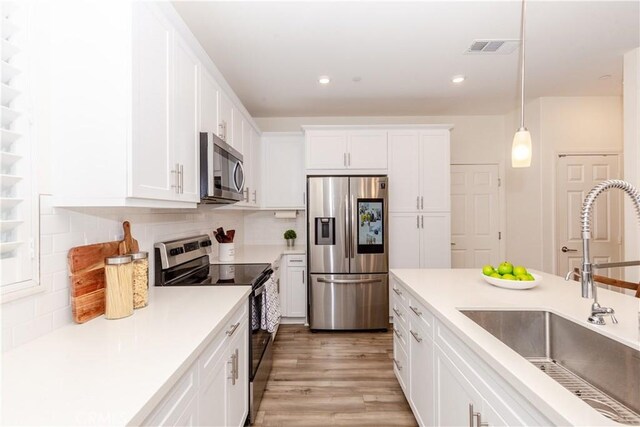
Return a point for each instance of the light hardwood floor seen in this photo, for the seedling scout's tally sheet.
(333, 378)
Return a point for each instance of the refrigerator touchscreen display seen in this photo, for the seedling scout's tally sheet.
(370, 226)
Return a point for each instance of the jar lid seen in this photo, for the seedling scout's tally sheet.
(116, 260)
(140, 255)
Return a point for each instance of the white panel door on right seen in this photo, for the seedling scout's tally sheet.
(367, 149)
(326, 150)
(404, 171)
(435, 158)
(435, 244)
(404, 240)
(475, 216)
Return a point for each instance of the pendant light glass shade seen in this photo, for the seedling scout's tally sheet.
(521, 149)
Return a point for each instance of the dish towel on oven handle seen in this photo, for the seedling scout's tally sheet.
(270, 306)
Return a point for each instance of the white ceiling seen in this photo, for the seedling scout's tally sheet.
(405, 53)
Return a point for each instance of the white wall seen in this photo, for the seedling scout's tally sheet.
(631, 96)
(61, 229)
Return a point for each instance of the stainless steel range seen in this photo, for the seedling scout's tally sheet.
(185, 262)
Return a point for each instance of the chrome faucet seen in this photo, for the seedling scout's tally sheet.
(589, 290)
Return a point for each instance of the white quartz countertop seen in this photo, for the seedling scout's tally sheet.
(261, 254)
(446, 291)
(114, 372)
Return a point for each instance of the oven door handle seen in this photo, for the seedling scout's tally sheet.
(348, 281)
(259, 290)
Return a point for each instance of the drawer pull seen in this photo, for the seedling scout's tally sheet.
(398, 334)
(232, 329)
(416, 336)
(415, 310)
(395, 310)
(397, 365)
(397, 291)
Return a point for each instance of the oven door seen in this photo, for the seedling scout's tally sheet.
(260, 338)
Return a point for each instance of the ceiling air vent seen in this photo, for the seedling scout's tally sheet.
(492, 47)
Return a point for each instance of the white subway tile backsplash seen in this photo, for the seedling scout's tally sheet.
(263, 228)
(61, 229)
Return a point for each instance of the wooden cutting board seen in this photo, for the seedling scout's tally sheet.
(128, 245)
(86, 268)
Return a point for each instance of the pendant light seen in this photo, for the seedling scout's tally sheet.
(521, 148)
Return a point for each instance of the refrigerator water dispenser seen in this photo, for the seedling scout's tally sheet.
(325, 231)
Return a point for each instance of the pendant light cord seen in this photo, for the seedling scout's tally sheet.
(522, 67)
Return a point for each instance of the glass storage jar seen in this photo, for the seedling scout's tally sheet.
(118, 272)
(140, 279)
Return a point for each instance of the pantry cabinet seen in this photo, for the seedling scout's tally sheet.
(420, 240)
(293, 288)
(284, 182)
(356, 149)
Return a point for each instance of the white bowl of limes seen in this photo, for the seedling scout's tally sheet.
(509, 277)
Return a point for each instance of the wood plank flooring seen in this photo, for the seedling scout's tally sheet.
(332, 379)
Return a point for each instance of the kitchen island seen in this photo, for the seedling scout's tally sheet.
(121, 372)
(505, 388)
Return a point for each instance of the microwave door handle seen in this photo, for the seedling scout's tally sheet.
(239, 186)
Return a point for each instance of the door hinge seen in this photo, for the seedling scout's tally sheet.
(499, 235)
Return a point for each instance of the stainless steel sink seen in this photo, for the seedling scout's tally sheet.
(601, 371)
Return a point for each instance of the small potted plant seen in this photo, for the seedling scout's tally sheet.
(290, 237)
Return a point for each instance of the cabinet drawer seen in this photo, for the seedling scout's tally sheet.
(175, 403)
(400, 336)
(419, 314)
(398, 291)
(401, 366)
(296, 260)
(211, 353)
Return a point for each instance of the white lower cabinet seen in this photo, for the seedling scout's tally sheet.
(293, 288)
(445, 383)
(215, 389)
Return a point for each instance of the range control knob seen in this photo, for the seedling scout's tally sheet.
(176, 251)
(205, 243)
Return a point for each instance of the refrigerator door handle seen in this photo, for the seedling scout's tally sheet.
(346, 226)
(347, 281)
(354, 224)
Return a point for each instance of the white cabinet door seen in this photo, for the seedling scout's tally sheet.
(421, 386)
(208, 103)
(404, 240)
(185, 120)
(284, 183)
(237, 136)
(213, 395)
(435, 242)
(189, 417)
(404, 171)
(435, 171)
(225, 117)
(453, 394)
(238, 390)
(296, 292)
(151, 159)
(248, 160)
(326, 149)
(367, 149)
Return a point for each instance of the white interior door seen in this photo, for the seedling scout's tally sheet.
(575, 177)
(475, 216)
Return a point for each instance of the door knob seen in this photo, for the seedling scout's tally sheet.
(566, 249)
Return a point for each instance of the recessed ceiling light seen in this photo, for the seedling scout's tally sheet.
(324, 80)
(458, 79)
(605, 77)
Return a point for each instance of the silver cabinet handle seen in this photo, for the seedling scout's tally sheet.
(246, 194)
(415, 310)
(397, 291)
(232, 329)
(295, 260)
(422, 220)
(398, 334)
(421, 202)
(417, 202)
(237, 364)
(416, 336)
(234, 363)
(417, 221)
(348, 281)
(255, 196)
(181, 179)
(344, 159)
(176, 173)
(349, 159)
(397, 364)
(395, 310)
(471, 415)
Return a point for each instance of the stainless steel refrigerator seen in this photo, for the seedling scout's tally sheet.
(348, 252)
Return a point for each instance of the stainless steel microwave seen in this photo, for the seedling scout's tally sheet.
(221, 171)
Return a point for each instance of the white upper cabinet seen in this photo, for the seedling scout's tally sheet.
(247, 159)
(340, 149)
(208, 103)
(435, 186)
(367, 149)
(131, 97)
(256, 169)
(404, 171)
(283, 177)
